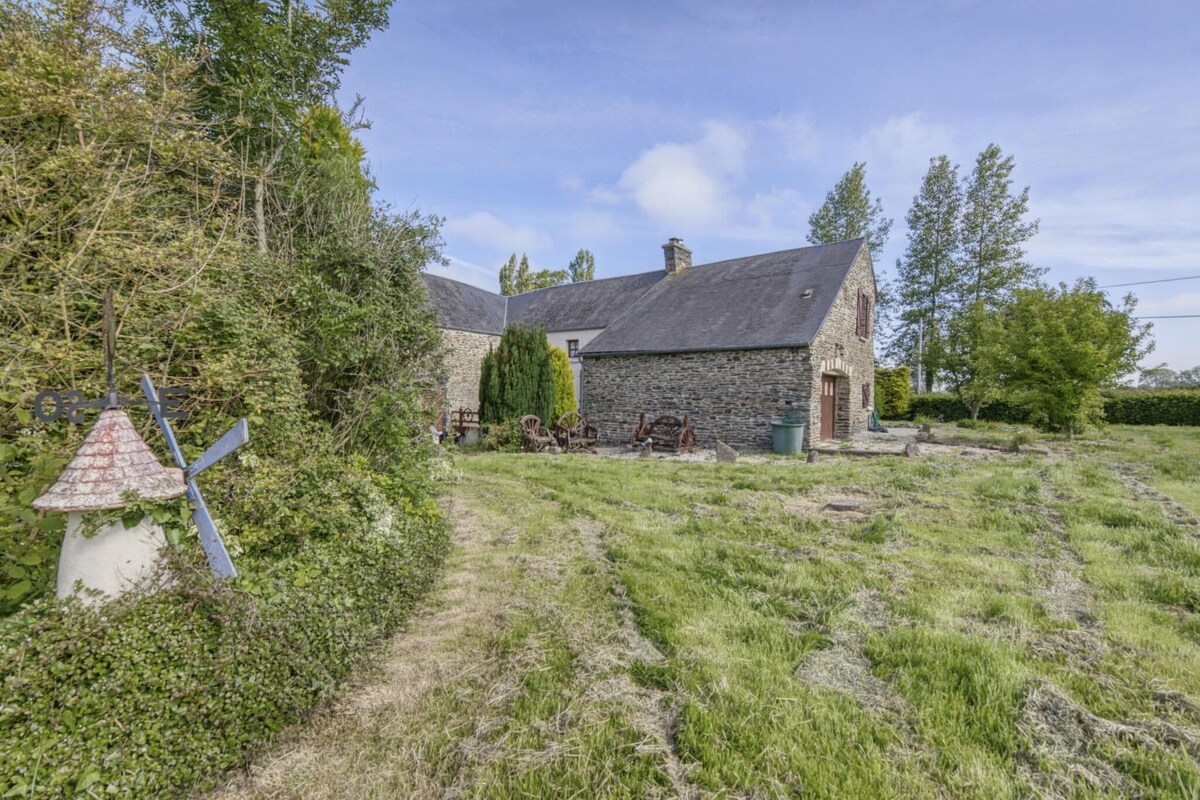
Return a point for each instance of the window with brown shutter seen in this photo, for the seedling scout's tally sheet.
(866, 391)
(862, 325)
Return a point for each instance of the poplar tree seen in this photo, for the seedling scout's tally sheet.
(517, 278)
(928, 273)
(582, 267)
(994, 232)
(848, 213)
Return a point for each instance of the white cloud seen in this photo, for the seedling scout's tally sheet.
(779, 208)
(688, 184)
(802, 141)
(594, 227)
(485, 229)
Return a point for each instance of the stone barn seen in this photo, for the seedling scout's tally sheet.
(727, 343)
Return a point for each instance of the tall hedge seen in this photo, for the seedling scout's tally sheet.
(1153, 407)
(893, 391)
(152, 697)
(518, 378)
(1121, 407)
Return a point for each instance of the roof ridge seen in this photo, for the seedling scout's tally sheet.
(586, 283)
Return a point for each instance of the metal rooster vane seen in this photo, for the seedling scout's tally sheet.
(164, 407)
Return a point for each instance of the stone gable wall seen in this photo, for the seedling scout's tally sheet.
(729, 395)
(464, 354)
(857, 356)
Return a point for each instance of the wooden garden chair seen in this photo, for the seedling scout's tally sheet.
(533, 435)
(573, 433)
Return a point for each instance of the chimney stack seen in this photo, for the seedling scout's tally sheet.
(678, 257)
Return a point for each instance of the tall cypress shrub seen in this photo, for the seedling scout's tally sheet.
(518, 378)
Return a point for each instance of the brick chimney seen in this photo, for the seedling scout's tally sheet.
(677, 256)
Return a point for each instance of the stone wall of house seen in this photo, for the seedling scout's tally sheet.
(838, 349)
(464, 354)
(728, 395)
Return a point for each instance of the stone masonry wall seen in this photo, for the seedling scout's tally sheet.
(856, 356)
(464, 354)
(731, 395)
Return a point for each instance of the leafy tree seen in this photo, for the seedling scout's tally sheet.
(1162, 377)
(263, 67)
(517, 278)
(993, 233)
(848, 213)
(518, 378)
(927, 274)
(582, 266)
(564, 382)
(1062, 345)
(972, 356)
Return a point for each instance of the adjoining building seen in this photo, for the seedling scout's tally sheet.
(727, 343)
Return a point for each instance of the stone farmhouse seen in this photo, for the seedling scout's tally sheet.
(727, 343)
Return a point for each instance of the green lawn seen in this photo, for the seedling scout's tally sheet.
(1006, 626)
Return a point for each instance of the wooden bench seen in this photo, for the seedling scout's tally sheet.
(533, 435)
(465, 421)
(664, 433)
(573, 433)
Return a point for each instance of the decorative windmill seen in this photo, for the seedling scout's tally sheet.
(114, 461)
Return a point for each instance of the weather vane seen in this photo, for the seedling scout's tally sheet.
(164, 407)
(50, 406)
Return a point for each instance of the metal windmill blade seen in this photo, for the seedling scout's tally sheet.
(214, 548)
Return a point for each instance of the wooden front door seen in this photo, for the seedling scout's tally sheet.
(828, 406)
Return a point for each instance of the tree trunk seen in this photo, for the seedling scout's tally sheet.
(260, 215)
(975, 411)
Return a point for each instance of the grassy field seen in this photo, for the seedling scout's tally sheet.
(997, 626)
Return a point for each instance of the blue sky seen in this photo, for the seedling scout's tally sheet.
(547, 127)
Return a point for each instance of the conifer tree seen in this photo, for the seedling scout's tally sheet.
(848, 213)
(519, 380)
(564, 382)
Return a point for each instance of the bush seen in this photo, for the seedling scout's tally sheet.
(504, 437)
(1152, 407)
(154, 696)
(947, 406)
(893, 391)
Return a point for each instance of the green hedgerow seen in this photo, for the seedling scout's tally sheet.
(153, 696)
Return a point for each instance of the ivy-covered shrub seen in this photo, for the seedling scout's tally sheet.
(893, 391)
(1152, 407)
(150, 697)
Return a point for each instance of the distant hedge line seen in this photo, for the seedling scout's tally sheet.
(1159, 407)
(155, 697)
(1122, 406)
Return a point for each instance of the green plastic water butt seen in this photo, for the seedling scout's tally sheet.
(787, 438)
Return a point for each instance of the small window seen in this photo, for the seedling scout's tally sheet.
(572, 347)
(866, 395)
(863, 323)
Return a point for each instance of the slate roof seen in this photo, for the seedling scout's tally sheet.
(112, 461)
(581, 306)
(463, 307)
(741, 304)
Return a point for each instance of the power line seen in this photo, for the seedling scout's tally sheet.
(1143, 283)
(1173, 316)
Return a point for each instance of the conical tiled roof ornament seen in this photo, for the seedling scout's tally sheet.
(112, 462)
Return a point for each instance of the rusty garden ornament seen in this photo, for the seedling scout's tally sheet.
(112, 463)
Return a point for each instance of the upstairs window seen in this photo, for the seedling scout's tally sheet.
(863, 325)
(572, 347)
